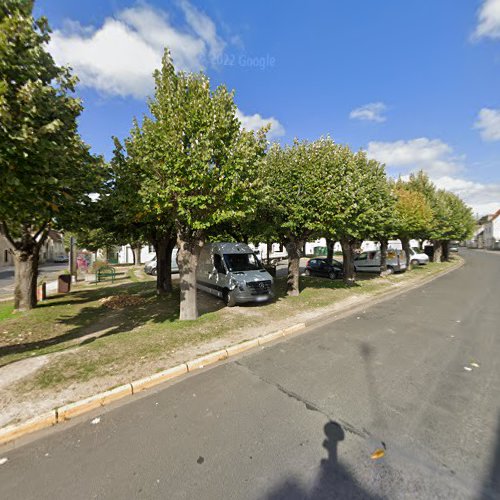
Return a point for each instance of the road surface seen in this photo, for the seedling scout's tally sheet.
(49, 269)
(301, 418)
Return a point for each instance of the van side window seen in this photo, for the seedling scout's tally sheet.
(219, 266)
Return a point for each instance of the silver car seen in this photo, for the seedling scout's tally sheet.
(150, 267)
(370, 261)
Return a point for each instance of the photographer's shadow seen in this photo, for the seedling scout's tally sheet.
(334, 479)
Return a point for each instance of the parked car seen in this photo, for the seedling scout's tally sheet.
(60, 259)
(418, 257)
(150, 267)
(233, 272)
(324, 267)
(370, 261)
(453, 246)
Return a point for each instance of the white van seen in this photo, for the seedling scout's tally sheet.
(233, 272)
(370, 261)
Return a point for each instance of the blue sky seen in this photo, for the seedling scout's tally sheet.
(415, 83)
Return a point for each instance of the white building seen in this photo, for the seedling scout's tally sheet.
(125, 254)
(52, 247)
(491, 233)
(487, 233)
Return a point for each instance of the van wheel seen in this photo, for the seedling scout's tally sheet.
(414, 262)
(229, 298)
(390, 270)
(154, 272)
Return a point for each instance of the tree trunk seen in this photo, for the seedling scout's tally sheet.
(26, 271)
(330, 245)
(384, 243)
(293, 248)
(405, 243)
(189, 251)
(136, 250)
(269, 247)
(438, 250)
(163, 248)
(445, 256)
(348, 252)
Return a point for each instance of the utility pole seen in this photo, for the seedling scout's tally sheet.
(72, 257)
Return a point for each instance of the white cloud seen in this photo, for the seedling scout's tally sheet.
(432, 155)
(436, 158)
(488, 122)
(483, 198)
(119, 57)
(372, 112)
(488, 20)
(256, 121)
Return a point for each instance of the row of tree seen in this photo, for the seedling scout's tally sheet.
(186, 174)
(189, 173)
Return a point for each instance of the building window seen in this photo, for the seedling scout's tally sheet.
(6, 256)
(151, 249)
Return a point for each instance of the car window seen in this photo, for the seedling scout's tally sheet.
(242, 262)
(362, 256)
(219, 265)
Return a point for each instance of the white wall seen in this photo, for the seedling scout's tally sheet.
(126, 254)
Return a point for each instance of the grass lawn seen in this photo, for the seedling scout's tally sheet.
(100, 340)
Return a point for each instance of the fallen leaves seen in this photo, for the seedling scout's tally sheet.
(121, 301)
(378, 453)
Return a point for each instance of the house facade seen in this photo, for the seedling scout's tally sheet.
(492, 232)
(487, 233)
(53, 246)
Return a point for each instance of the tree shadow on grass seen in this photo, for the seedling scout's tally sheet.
(334, 480)
(99, 321)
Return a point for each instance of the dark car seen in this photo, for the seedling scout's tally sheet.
(324, 267)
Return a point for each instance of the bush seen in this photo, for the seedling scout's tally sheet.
(98, 264)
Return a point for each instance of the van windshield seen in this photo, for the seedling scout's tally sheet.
(242, 262)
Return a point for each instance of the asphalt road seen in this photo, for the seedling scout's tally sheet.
(49, 269)
(301, 418)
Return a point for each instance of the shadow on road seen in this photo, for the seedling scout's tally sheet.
(491, 484)
(334, 480)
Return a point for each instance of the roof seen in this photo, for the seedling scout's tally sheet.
(55, 236)
(495, 215)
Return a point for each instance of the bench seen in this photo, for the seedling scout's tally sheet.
(105, 272)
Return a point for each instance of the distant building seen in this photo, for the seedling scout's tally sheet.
(53, 247)
(487, 233)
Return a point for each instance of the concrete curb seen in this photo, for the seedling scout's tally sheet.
(72, 410)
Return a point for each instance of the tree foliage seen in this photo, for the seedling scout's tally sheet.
(46, 171)
(199, 169)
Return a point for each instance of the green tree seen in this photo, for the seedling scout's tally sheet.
(451, 218)
(362, 204)
(413, 216)
(296, 185)
(200, 167)
(129, 169)
(46, 171)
